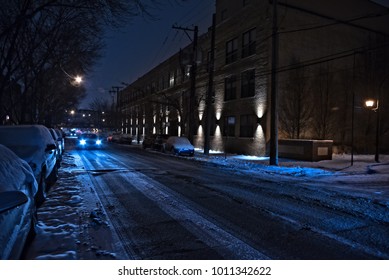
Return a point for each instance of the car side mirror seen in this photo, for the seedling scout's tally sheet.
(51, 147)
(11, 199)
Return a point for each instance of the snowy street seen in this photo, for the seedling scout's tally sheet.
(123, 202)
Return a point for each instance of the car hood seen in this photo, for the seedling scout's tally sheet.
(183, 146)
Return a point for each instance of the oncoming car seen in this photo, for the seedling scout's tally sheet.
(89, 141)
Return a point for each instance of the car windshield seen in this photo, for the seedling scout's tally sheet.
(182, 141)
(89, 136)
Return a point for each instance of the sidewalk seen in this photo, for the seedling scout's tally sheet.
(364, 178)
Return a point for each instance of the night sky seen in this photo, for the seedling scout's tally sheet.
(136, 48)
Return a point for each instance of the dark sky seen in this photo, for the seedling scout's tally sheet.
(144, 43)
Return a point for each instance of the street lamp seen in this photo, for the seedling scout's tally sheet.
(373, 104)
(74, 80)
(78, 80)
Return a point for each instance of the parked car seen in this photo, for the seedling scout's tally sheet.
(89, 141)
(61, 136)
(155, 141)
(125, 139)
(113, 137)
(58, 142)
(148, 141)
(178, 146)
(160, 141)
(36, 146)
(17, 204)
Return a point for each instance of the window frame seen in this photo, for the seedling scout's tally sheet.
(249, 47)
(232, 50)
(230, 88)
(247, 84)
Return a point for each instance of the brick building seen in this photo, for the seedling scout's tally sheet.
(330, 53)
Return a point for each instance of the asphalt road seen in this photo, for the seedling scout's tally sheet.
(169, 207)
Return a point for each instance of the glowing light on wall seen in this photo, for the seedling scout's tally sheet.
(218, 115)
(200, 131)
(154, 130)
(260, 100)
(167, 128)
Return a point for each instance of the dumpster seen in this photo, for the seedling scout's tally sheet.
(305, 149)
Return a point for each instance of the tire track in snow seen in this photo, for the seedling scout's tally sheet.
(223, 242)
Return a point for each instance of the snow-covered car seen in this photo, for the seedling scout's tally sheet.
(61, 138)
(35, 145)
(58, 142)
(178, 146)
(89, 141)
(17, 204)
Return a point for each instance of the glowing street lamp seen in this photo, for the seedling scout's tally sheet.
(372, 104)
(78, 79)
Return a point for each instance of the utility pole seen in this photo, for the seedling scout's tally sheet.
(193, 73)
(273, 94)
(208, 115)
(115, 111)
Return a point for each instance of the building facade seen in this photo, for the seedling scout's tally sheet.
(331, 56)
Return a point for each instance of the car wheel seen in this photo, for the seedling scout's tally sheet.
(53, 175)
(40, 196)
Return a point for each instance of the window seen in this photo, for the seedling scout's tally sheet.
(248, 84)
(247, 125)
(224, 14)
(229, 126)
(230, 88)
(248, 43)
(232, 50)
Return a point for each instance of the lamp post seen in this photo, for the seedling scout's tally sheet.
(74, 80)
(373, 104)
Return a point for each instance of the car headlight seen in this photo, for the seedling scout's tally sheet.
(82, 142)
(98, 142)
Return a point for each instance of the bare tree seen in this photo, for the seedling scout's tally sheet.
(41, 38)
(295, 103)
(323, 117)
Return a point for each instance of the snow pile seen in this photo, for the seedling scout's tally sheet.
(72, 224)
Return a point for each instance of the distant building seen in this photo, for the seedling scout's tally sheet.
(330, 53)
